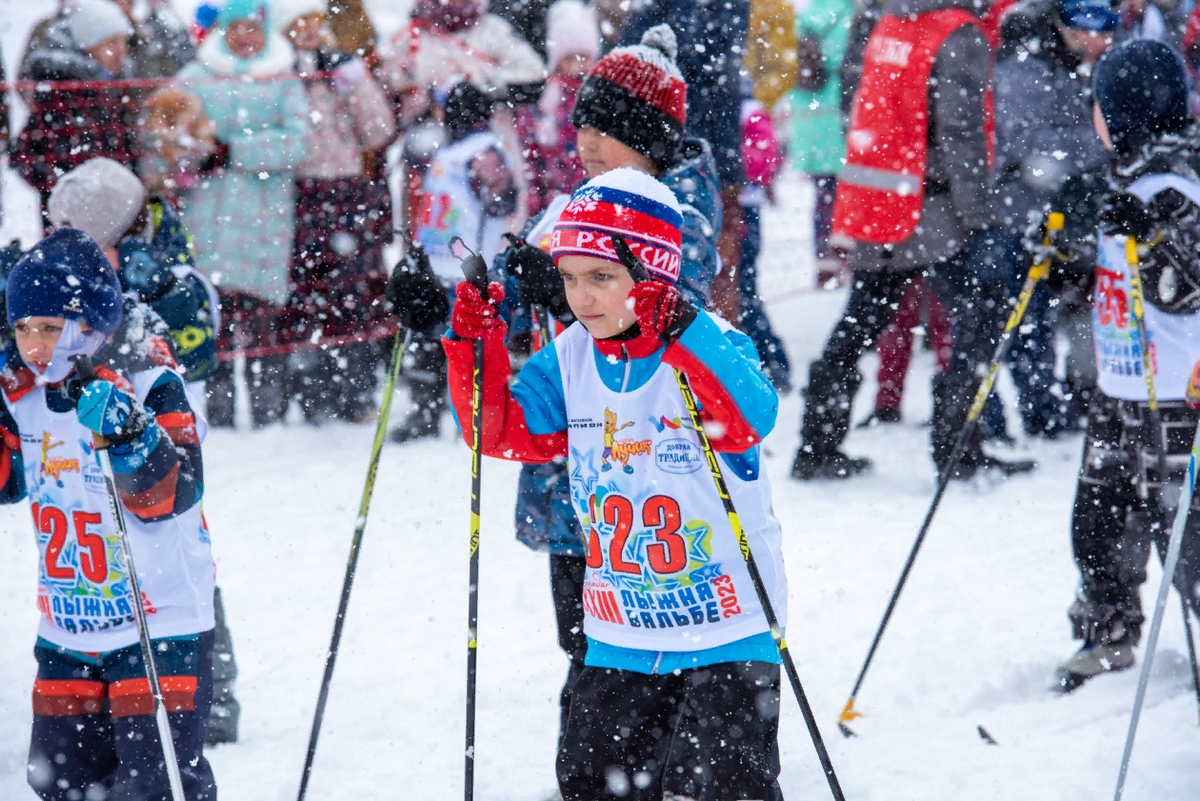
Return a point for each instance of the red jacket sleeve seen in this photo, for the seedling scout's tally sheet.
(507, 432)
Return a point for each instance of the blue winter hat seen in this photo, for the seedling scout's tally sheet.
(66, 275)
(1141, 87)
(257, 11)
(1089, 15)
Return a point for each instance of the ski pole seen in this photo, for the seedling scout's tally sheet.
(83, 367)
(1037, 272)
(1160, 444)
(399, 348)
(1172, 561)
(475, 270)
(639, 272)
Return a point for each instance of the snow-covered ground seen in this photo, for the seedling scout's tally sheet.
(974, 639)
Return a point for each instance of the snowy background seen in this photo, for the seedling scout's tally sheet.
(974, 639)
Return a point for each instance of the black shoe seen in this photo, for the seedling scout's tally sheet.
(881, 416)
(421, 424)
(809, 466)
(965, 471)
(223, 723)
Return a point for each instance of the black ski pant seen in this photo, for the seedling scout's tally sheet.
(225, 713)
(335, 383)
(976, 309)
(709, 733)
(1119, 511)
(566, 589)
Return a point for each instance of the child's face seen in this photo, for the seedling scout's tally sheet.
(305, 32)
(111, 53)
(244, 38)
(601, 153)
(36, 338)
(574, 65)
(598, 294)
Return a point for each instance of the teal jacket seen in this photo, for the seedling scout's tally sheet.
(818, 144)
(243, 215)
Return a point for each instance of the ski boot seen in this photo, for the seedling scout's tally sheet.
(1092, 660)
(810, 465)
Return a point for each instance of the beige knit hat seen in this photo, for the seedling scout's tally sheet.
(100, 197)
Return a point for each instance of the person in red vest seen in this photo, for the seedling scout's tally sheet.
(914, 195)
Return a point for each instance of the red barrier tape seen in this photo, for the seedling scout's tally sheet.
(377, 333)
(155, 83)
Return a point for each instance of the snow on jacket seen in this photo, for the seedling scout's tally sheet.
(1044, 130)
(1177, 218)
(712, 38)
(47, 456)
(185, 300)
(694, 180)
(67, 127)
(562, 405)
(958, 180)
(243, 215)
(818, 142)
(348, 115)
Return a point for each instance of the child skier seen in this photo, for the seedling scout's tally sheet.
(152, 252)
(681, 671)
(94, 734)
(468, 192)
(1141, 113)
(623, 91)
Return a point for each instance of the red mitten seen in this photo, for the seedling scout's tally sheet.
(476, 318)
(661, 310)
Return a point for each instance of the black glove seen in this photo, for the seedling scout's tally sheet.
(1126, 215)
(417, 297)
(538, 281)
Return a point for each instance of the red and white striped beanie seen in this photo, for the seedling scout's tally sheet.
(628, 202)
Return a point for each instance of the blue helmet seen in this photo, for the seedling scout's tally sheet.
(66, 275)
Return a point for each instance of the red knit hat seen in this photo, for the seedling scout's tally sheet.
(637, 95)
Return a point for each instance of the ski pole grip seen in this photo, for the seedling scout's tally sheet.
(83, 368)
(637, 270)
(86, 374)
(474, 267)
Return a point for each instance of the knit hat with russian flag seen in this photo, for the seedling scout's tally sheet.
(637, 95)
(628, 202)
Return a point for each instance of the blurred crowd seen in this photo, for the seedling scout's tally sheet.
(294, 141)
